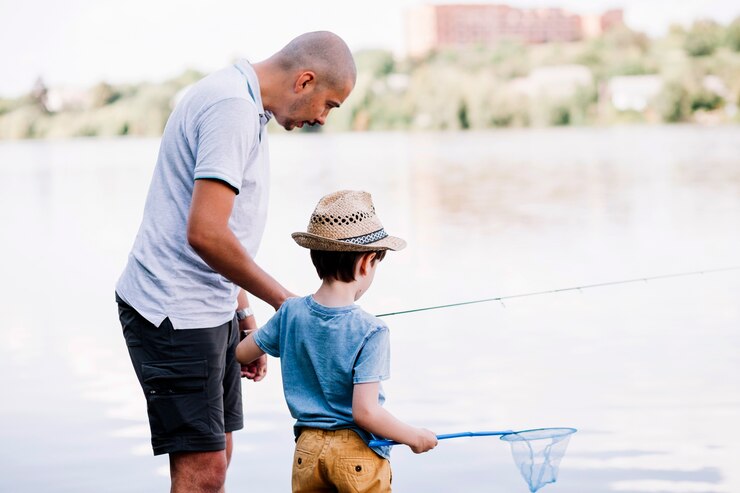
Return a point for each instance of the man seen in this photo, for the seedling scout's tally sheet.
(192, 261)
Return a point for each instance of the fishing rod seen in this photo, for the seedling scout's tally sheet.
(561, 290)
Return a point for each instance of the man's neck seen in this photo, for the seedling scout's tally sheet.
(267, 75)
(335, 293)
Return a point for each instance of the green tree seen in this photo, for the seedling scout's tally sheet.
(705, 100)
(703, 38)
(379, 63)
(732, 35)
(559, 115)
(462, 115)
(103, 94)
(674, 103)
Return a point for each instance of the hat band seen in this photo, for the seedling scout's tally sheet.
(366, 239)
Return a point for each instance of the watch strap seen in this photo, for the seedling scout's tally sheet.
(245, 312)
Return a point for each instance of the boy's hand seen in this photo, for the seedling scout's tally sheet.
(425, 441)
(256, 370)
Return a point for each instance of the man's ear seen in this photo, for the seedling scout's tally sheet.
(305, 81)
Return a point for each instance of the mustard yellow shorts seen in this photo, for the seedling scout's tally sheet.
(338, 461)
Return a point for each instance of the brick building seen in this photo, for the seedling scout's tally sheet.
(429, 27)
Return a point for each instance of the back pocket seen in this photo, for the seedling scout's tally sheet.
(358, 474)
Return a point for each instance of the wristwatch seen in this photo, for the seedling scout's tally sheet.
(244, 313)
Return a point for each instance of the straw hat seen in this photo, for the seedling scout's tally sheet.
(345, 221)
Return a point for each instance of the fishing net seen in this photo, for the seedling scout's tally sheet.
(537, 453)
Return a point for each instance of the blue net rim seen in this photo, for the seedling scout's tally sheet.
(537, 434)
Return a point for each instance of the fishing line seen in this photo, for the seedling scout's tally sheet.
(501, 299)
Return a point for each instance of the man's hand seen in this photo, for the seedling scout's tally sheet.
(256, 370)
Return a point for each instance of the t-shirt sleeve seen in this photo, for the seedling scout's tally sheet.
(267, 337)
(227, 132)
(373, 361)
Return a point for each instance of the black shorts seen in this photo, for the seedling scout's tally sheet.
(191, 381)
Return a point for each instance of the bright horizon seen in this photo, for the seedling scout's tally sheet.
(80, 42)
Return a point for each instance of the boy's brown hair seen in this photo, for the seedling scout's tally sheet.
(340, 265)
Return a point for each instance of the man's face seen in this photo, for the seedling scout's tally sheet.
(312, 105)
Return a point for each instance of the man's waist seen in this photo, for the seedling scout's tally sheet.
(186, 309)
(179, 322)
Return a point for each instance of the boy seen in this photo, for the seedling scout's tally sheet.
(334, 355)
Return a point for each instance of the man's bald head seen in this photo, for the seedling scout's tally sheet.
(321, 52)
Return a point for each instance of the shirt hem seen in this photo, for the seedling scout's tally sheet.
(370, 379)
(216, 176)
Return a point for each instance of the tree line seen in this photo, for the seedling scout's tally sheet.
(473, 87)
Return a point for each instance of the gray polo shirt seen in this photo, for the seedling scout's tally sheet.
(217, 131)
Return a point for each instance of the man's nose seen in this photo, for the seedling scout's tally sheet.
(322, 118)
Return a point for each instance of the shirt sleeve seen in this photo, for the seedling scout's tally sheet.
(267, 337)
(227, 132)
(373, 361)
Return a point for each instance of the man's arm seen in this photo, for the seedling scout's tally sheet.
(209, 235)
(370, 416)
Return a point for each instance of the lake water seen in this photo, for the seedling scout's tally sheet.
(648, 372)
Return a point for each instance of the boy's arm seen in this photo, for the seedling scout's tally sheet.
(248, 351)
(370, 416)
(256, 370)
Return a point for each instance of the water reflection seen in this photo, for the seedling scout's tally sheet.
(647, 372)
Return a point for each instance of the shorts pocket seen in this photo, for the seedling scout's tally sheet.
(303, 460)
(176, 395)
(359, 474)
(304, 464)
(307, 448)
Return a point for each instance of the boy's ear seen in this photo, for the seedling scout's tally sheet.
(365, 263)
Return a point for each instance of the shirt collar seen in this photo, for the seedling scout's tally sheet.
(250, 76)
(328, 310)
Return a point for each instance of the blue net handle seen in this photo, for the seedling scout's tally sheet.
(382, 443)
(534, 434)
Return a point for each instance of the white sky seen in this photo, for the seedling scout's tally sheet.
(80, 42)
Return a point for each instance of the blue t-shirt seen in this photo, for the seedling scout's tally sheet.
(324, 351)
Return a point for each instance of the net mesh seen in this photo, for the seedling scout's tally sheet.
(537, 454)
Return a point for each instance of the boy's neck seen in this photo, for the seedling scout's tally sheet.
(335, 293)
